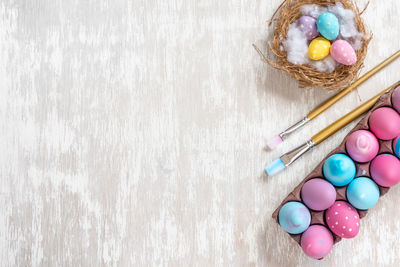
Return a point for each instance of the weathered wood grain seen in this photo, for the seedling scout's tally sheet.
(132, 134)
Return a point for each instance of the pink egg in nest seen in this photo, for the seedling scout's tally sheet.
(316, 241)
(385, 170)
(343, 219)
(385, 123)
(362, 146)
(343, 52)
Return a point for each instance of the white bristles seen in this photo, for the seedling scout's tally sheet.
(274, 142)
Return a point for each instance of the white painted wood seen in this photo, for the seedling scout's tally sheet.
(132, 134)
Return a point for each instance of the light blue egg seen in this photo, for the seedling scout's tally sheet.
(362, 193)
(339, 169)
(294, 217)
(328, 25)
(396, 147)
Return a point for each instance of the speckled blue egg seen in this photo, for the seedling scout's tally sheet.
(328, 25)
(294, 217)
(362, 193)
(396, 147)
(339, 169)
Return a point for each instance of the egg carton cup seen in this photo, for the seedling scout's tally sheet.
(363, 169)
(307, 76)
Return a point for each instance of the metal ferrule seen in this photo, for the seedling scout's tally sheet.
(293, 128)
(296, 153)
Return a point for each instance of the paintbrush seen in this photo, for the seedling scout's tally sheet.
(284, 161)
(275, 141)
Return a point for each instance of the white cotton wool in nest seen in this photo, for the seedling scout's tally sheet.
(313, 10)
(296, 44)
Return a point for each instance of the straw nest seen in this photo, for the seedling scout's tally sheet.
(307, 76)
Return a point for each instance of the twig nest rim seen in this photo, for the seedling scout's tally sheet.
(308, 76)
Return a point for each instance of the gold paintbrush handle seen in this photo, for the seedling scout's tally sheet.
(349, 117)
(327, 104)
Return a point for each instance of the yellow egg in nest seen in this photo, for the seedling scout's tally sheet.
(319, 48)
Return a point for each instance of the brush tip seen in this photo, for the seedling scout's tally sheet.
(275, 167)
(274, 142)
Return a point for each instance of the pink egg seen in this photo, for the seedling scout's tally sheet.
(362, 146)
(316, 241)
(385, 170)
(343, 52)
(396, 99)
(343, 219)
(385, 123)
(318, 194)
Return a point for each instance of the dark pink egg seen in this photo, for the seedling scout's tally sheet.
(343, 219)
(385, 123)
(316, 241)
(385, 170)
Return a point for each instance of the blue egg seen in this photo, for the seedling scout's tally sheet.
(339, 169)
(362, 193)
(328, 25)
(396, 147)
(294, 217)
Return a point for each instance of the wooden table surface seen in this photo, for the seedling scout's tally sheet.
(133, 134)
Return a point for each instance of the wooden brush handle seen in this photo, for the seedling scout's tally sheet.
(327, 104)
(346, 119)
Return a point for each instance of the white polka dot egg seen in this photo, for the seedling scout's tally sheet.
(343, 52)
(343, 219)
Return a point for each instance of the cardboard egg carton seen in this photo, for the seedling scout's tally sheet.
(363, 169)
